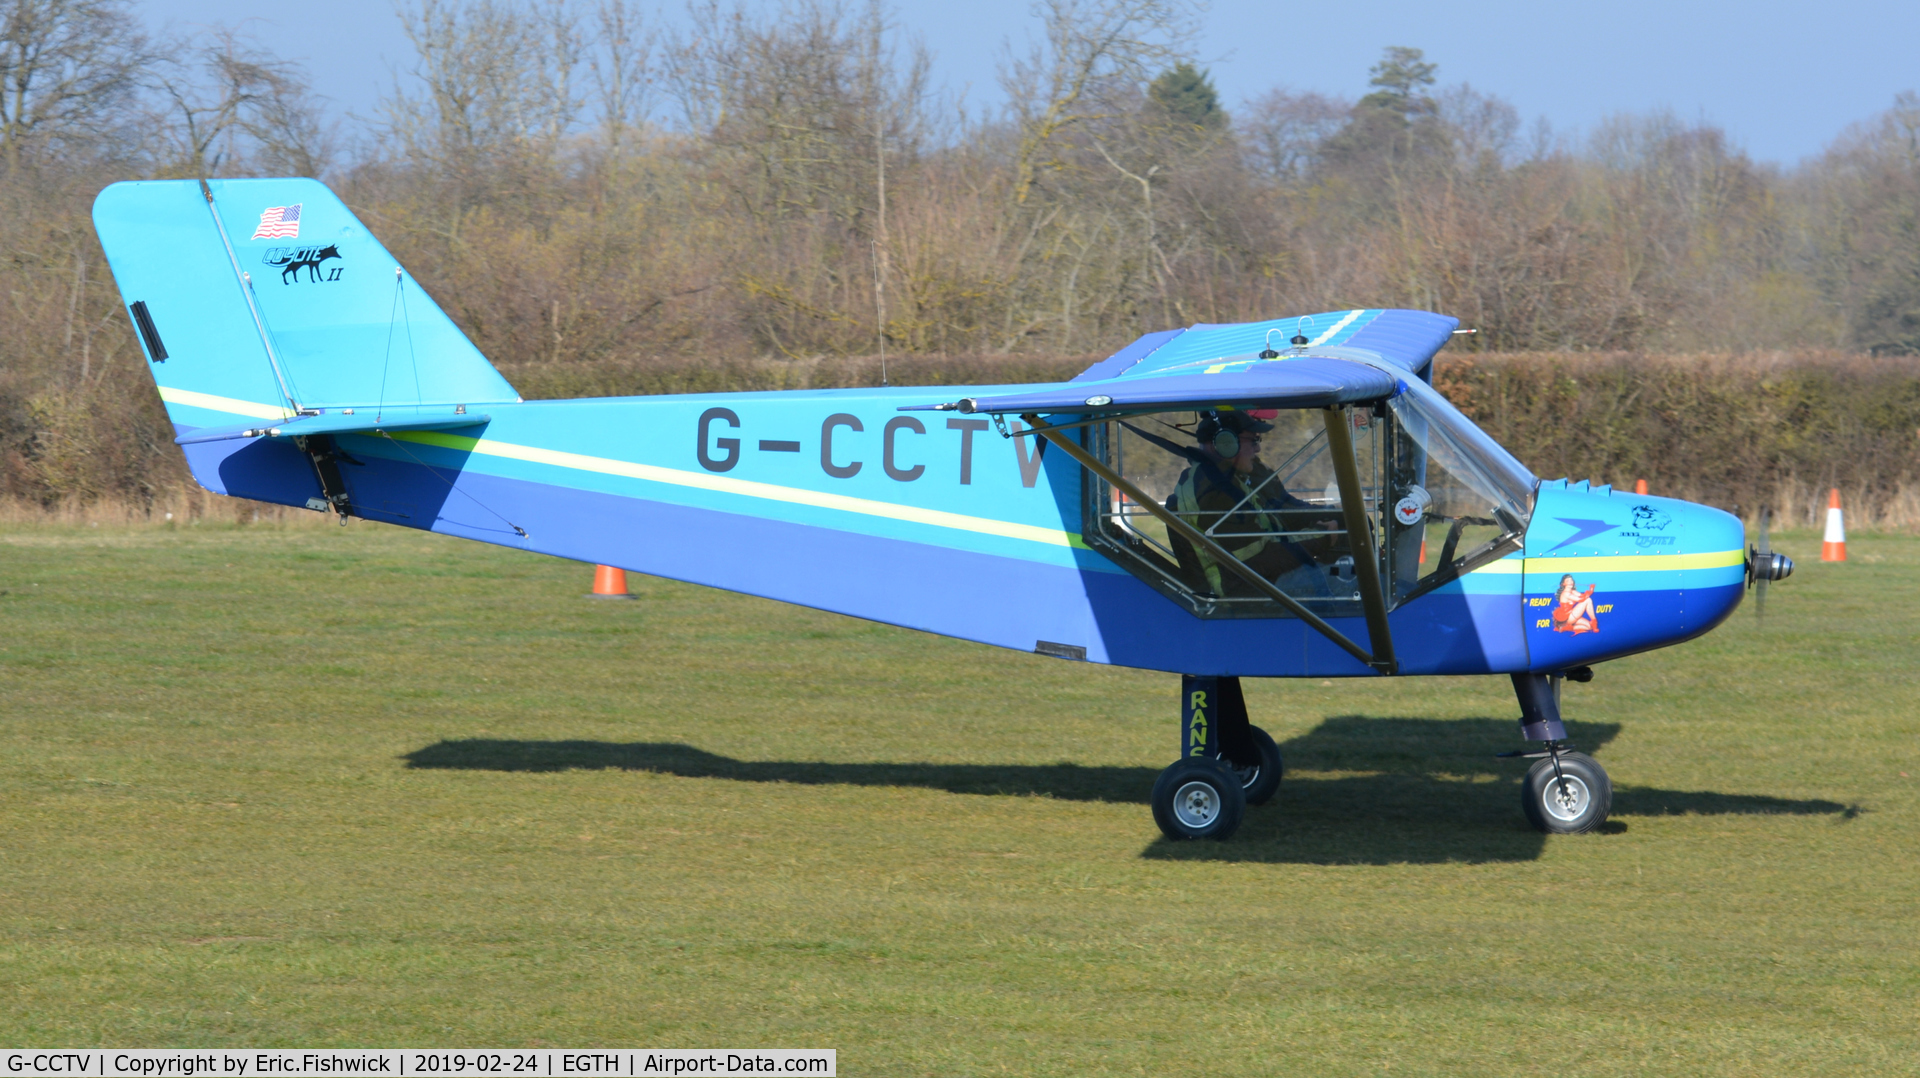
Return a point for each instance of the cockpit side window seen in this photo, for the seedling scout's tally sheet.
(1440, 496)
(1259, 484)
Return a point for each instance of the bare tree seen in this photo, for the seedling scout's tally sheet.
(67, 69)
(496, 93)
(237, 108)
(620, 63)
(796, 102)
(1283, 130)
(1485, 129)
(1092, 60)
(1859, 240)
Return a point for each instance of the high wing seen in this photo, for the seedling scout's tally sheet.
(1357, 356)
(1404, 339)
(1307, 382)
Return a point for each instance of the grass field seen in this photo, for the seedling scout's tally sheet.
(300, 785)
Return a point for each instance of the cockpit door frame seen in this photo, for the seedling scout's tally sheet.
(1366, 566)
(1366, 562)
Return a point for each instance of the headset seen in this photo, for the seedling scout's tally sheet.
(1224, 442)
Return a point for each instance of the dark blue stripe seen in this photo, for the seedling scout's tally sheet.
(1127, 357)
(1008, 602)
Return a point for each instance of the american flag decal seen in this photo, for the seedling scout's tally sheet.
(279, 223)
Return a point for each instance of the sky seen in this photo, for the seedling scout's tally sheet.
(1783, 79)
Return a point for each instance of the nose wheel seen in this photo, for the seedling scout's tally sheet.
(1566, 793)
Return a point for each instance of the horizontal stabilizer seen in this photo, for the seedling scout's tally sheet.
(332, 423)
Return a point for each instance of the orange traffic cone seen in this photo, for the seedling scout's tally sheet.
(1639, 486)
(609, 583)
(1833, 546)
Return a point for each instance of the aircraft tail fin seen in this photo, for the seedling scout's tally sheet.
(266, 299)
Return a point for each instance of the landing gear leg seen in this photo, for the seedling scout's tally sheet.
(1200, 795)
(1565, 792)
(1244, 747)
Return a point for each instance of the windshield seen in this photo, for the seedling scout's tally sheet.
(1457, 498)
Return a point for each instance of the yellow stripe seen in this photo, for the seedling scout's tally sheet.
(1638, 563)
(1502, 567)
(1337, 327)
(746, 488)
(1616, 563)
(223, 404)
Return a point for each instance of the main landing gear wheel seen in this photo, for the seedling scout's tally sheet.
(1198, 798)
(1576, 800)
(1262, 780)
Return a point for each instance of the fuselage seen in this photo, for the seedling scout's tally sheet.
(850, 500)
(837, 500)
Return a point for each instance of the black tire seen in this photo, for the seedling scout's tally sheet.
(1582, 805)
(1198, 797)
(1262, 780)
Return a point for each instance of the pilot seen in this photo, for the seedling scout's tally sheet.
(1227, 472)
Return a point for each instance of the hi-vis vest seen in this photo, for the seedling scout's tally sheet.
(1186, 502)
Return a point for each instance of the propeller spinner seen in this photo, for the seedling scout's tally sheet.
(1764, 565)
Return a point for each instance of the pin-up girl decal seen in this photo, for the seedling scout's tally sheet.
(1574, 612)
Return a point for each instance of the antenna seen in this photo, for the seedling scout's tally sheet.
(880, 311)
(880, 184)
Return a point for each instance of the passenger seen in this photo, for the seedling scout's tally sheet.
(1227, 472)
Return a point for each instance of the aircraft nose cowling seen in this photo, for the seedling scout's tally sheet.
(1714, 581)
(1610, 573)
(1712, 529)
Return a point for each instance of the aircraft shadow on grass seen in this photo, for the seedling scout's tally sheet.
(1375, 791)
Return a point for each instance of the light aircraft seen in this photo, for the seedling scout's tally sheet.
(1288, 498)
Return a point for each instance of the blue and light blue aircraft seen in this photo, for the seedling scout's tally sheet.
(1288, 498)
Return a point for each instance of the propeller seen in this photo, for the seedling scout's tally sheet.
(1764, 565)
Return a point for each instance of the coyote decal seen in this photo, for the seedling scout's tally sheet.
(292, 260)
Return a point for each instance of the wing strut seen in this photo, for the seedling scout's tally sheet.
(1366, 565)
(1349, 495)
